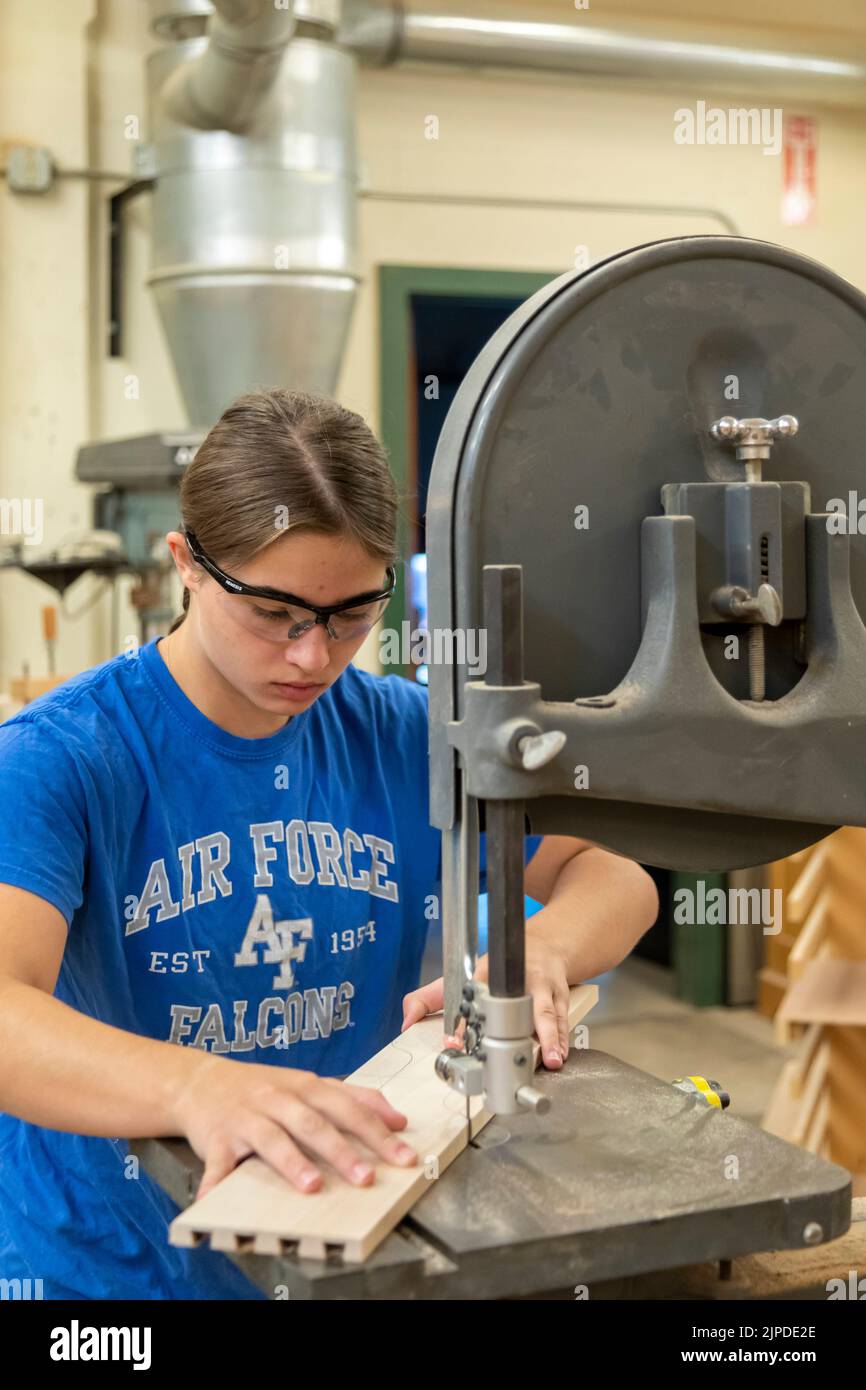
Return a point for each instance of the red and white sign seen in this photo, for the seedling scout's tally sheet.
(799, 161)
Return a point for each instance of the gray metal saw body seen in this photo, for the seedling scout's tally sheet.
(586, 450)
(599, 392)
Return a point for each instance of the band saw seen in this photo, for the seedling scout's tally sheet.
(630, 497)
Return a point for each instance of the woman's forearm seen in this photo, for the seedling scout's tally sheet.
(63, 1070)
(599, 907)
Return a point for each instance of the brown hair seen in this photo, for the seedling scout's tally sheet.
(278, 461)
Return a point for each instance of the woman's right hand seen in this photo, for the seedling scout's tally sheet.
(229, 1110)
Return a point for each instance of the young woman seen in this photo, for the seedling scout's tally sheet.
(216, 867)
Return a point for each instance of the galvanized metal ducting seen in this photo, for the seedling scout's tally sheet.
(255, 255)
(224, 87)
(654, 50)
(254, 261)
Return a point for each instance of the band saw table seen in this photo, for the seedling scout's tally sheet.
(630, 499)
(624, 1176)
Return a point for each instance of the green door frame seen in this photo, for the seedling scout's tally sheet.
(397, 284)
(698, 950)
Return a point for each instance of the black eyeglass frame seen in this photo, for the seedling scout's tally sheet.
(236, 586)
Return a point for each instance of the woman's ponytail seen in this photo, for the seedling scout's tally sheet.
(179, 619)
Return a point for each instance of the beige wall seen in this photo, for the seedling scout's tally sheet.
(71, 80)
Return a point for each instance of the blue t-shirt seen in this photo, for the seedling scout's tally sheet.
(265, 899)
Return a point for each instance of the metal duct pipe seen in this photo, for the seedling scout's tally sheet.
(254, 255)
(224, 86)
(383, 34)
(254, 248)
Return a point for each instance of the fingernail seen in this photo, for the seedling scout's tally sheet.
(361, 1172)
(553, 1057)
(309, 1177)
(405, 1151)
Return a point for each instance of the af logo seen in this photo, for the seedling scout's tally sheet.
(285, 942)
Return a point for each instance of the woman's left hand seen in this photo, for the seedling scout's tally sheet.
(546, 982)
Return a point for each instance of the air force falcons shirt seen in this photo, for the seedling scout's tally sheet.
(266, 900)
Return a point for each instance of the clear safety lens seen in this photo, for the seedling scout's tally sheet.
(280, 622)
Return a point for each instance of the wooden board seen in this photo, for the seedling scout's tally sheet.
(781, 1113)
(772, 986)
(23, 689)
(813, 1091)
(254, 1209)
(807, 885)
(795, 1083)
(812, 936)
(828, 991)
(776, 951)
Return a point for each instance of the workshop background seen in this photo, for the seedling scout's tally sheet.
(491, 154)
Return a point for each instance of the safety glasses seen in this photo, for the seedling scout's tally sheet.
(280, 617)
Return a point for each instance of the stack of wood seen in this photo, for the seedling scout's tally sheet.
(814, 986)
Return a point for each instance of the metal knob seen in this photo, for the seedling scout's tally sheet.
(536, 750)
(736, 602)
(523, 744)
(444, 1062)
(754, 431)
(753, 438)
(533, 1100)
(765, 605)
